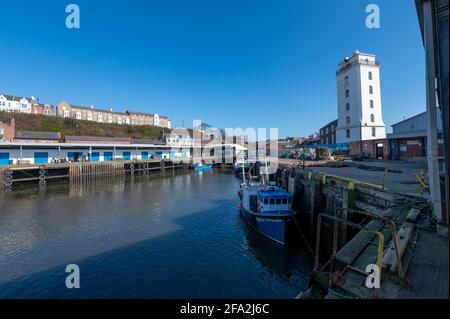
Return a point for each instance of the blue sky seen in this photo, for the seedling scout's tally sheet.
(231, 63)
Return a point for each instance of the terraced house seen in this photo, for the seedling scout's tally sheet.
(11, 103)
(44, 109)
(90, 113)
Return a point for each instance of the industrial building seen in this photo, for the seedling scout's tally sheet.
(45, 153)
(409, 137)
(408, 140)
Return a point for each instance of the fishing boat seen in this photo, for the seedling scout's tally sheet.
(267, 208)
(242, 168)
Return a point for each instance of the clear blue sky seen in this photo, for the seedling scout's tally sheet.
(231, 63)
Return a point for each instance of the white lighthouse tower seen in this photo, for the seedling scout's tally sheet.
(359, 99)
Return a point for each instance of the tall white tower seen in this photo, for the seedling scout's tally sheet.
(359, 99)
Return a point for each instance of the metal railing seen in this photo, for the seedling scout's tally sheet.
(333, 256)
(393, 233)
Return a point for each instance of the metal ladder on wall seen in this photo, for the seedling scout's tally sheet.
(346, 274)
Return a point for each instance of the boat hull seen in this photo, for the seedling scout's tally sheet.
(276, 228)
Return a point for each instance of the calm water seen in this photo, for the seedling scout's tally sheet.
(178, 236)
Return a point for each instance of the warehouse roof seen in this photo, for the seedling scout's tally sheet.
(26, 135)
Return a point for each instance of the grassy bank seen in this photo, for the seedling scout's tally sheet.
(41, 123)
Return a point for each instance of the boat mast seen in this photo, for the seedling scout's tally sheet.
(243, 167)
(267, 171)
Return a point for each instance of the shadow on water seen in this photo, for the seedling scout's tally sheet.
(194, 246)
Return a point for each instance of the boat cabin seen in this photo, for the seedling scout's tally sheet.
(274, 200)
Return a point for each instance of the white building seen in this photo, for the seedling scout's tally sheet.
(359, 99)
(9, 103)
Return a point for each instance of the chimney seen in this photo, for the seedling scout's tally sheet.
(9, 132)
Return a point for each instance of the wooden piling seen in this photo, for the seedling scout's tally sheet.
(43, 173)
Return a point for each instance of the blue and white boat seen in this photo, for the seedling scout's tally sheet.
(267, 209)
(202, 167)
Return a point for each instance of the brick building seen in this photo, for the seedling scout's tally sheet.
(7, 131)
(327, 133)
(44, 109)
(408, 140)
(409, 137)
(90, 113)
(139, 118)
(376, 149)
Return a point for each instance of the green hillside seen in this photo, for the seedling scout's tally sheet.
(41, 123)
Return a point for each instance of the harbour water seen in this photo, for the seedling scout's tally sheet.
(177, 235)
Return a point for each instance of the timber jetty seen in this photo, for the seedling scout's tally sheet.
(12, 175)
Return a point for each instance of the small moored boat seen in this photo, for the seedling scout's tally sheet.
(202, 167)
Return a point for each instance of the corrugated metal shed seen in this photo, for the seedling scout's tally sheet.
(414, 126)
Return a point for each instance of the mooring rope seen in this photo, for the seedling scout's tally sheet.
(304, 238)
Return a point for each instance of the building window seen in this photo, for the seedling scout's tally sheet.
(100, 118)
(370, 75)
(347, 93)
(89, 116)
(348, 133)
(374, 132)
(66, 113)
(372, 118)
(347, 106)
(371, 104)
(78, 115)
(346, 80)
(347, 120)
(370, 89)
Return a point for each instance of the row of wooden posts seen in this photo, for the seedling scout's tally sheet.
(43, 173)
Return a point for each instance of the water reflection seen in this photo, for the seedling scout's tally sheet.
(134, 236)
